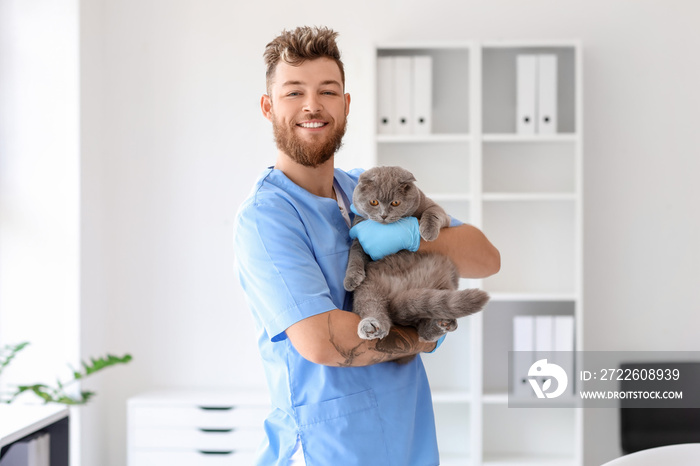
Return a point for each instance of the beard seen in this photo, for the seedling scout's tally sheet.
(308, 154)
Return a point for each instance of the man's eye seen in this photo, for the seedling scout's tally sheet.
(374, 203)
(395, 203)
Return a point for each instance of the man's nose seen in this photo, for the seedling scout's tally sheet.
(312, 103)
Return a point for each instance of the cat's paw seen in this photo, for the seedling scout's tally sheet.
(430, 330)
(429, 228)
(448, 325)
(354, 279)
(371, 329)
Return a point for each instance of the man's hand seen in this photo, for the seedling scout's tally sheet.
(379, 240)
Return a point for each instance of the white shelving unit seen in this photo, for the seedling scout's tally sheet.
(525, 193)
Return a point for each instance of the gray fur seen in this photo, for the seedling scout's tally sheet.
(406, 288)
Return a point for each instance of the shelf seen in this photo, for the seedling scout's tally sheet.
(525, 192)
(501, 398)
(498, 339)
(517, 460)
(499, 92)
(424, 46)
(529, 197)
(527, 436)
(447, 459)
(427, 162)
(451, 396)
(487, 138)
(430, 138)
(449, 197)
(530, 44)
(495, 398)
(533, 297)
(526, 138)
(541, 233)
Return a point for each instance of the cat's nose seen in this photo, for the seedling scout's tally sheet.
(384, 216)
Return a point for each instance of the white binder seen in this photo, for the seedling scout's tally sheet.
(544, 335)
(523, 333)
(523, 347)
(547, 94)
(564, 333)
(564, 348)
(526, 94)
(403, 93)
(386, 115)
(422, 94)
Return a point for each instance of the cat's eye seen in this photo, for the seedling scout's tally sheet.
(374, 203)
(395, 203)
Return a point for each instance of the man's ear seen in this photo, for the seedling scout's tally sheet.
(266, 106)
(347, 104)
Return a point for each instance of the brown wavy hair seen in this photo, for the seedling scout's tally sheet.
(301, 44)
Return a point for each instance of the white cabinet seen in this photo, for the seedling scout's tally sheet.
(200, 427)
(525, 192)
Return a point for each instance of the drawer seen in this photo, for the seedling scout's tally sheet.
(190, 458)
(196, 439)
(200, 417)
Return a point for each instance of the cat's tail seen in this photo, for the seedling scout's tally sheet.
(439, 304)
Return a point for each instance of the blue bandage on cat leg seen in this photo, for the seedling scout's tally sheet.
(439, 342)
(381, 239)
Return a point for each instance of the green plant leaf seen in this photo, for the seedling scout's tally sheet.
(58, 394)
(102, 363)
(8, 353)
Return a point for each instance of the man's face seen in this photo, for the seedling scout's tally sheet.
(308, 110)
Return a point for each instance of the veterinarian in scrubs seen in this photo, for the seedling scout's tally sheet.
(335, 397)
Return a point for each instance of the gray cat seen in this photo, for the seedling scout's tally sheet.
(406, 288)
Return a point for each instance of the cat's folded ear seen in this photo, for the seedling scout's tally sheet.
(368, 176)
(404, 176)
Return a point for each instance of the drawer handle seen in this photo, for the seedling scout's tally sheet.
(207, 452)
(216, 408)
(216, 431)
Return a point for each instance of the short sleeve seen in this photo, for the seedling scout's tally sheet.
(281, 278)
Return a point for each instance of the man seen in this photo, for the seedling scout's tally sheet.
(336, 398)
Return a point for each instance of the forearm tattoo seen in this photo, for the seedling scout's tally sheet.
(399, 343)
(349, 354)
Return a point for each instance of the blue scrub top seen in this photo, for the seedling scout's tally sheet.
(292, 250)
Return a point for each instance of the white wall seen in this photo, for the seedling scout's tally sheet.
(40, 190)
(172, 139)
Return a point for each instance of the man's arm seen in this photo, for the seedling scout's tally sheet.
(331, 339)
(466, 245)
(469, 248)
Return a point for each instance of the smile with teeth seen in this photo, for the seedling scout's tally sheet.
(312, 124)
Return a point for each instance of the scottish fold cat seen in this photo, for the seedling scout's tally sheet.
(409, 289)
